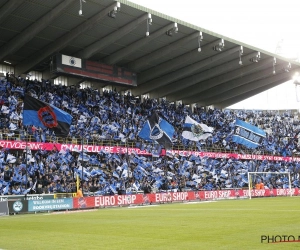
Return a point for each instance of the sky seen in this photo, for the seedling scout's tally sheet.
(261, 23)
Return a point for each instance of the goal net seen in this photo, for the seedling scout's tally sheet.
(260, 182)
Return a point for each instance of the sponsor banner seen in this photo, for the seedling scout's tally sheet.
(21, 206)
(3, 208)
(18, 206)
(139, 199)
(123, 150)
(28, 197)
(233, 155)
(49, 205)
(219, 194)
(72, 147)
(118, 200)
(84, 202)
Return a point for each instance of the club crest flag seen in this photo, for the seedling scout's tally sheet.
(195, 131)
(71, 61)
(45, 115)
(157, 129)
(247, 134)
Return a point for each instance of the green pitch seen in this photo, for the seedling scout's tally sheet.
(227, 224)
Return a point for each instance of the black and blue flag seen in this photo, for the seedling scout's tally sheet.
(157, 129)
(247, 134)
(45, 115)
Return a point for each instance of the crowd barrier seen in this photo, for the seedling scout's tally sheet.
(46, 203)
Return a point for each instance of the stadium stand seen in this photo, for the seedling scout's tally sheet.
(173, 68)
(108, 119)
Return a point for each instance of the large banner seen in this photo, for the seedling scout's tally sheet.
(168, 197)
(50, 205)
(24, 206)
(3, 208)
(124, 150)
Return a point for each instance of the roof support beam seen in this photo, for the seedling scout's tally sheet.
(181, 73)
(26, 35)
(119, 55)
(8, 8)
(111, 38)
(248, 87)
(225, 82)
(246, 95)
(61, 42)
(171, 65)
(143, 61)
(187, 84)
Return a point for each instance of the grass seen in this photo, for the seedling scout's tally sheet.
(227, 224)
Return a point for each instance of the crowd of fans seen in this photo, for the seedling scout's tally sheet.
(112, 116)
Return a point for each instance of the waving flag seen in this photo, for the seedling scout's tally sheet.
(11, 158)
(45, 115)
(157, 129)
(247, 134)
(195, 131)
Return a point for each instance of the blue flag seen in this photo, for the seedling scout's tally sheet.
(45, 115)
(157, 129)
(247, 134)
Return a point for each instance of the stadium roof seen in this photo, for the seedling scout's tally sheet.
(167, 62)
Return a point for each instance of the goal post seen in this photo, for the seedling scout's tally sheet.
(255, 177)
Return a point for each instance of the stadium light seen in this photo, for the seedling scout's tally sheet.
(149, 22)
(115, 10)
(241, 51)
(296, 78)
(255, 58)
(274, 63)
(287, 68)
(219, 46)
(80, 7)
(174, 29)
(200, 38)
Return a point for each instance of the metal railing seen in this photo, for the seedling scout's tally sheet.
(130, 144)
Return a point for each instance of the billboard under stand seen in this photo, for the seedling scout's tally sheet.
(4, 208)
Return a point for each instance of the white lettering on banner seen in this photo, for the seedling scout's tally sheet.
(278, 158)
(126, 199)
(207, 154)
(224, 194)
(49, 201)
(221, 155)
(210, 194)
(180, 196)
(163, 197)
(258, 192)
(50, 207)
(96, 149)
(281, 192)
(103, 201)
(269, 157)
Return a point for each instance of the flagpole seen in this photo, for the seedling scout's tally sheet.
(127, 151)
(26, 140)
(82, 162)
(26, 159)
